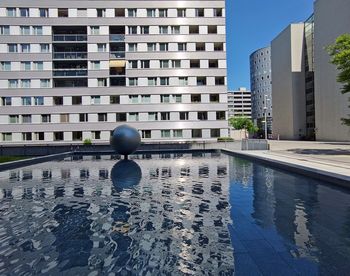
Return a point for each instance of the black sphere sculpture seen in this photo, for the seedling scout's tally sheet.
(126, 174)
(125, 140)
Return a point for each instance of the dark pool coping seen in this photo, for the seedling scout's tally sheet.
(338, 179)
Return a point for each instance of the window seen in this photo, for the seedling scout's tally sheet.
(95, 100)
(11, 12)
(83, 117)
(164, 81)
(114, 99)
(213, 63)
(26, 119)
(163, 47)
(195, 98)
(132, 12)
(214, 98)
(37, 30)
(62, 12)
(38, 65)
(181, 12)
(77, 135)
(132, 29)
(44, 83)
(120, 117)
(133, 81)
(12, 48)
(183, 81)
(7, 137)
(26, 101)
(25, 66)
(218, 12)
(152, 81)
(134, 99)
(163, 12)
(133, 117)
(39, 100)
(13, 119)
(76, 100)
(220, 115)
(175, 29)
(5, 66)
(144, 29)
(44, 12)
(219, 80)
(184, 116)
(165, 116)
(152, 116)
(200, 46)
(178, 133)
(64, 118)
(95, 65)
(164, 63)
(201, 81)
(165, 133)
(194, 63)
(212, 29)
(6, 101)
(24, 12)
(176, 63)
(146, 134)
(145, 63)
(102, 117)
(25, 48)
(25, 30)
(101, 12)
(202, 115)
(82, 12)
(196, 133)
(13, 83)
(163, 29)
(177, 98)
(194, 29)
(26, 136)
(132, 64)
(132, 47)
(165, 98)
(151, 47)
(44, 48)
(57, 100)
(119, 12)
(181, 47)
(95, 30)
(4, 30)
(101, 47)
(146, 98)
(215, 133)
(199, 12)
(101, 82)
(39, 136)
(151, 12)
(58, 136)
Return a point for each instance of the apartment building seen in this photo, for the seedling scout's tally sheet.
(239, 103)
(75, 70)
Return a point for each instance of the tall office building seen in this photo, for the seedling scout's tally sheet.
(239, 103)
(260, 82)
(74, 70)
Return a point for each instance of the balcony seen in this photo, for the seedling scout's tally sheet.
(116, 37)
(70, 55)
(117, 55)
(70, 72)
(70, 38)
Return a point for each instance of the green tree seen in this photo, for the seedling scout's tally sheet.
(340, 57)
(245, 123)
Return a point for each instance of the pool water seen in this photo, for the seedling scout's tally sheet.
(170, 214)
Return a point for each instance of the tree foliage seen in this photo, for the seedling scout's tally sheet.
(240, 123)
(340, 57)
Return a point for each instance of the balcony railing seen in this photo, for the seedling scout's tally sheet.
(116, 37)
(116, 55)
(70, 72)
(70, 37)
(70, 55)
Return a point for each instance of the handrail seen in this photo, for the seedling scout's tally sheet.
(70, 55)
(70, 37)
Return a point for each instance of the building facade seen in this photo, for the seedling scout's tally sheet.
(261, 81)
(239, 103)
(75, 70)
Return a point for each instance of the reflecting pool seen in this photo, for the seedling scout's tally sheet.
(170, 214)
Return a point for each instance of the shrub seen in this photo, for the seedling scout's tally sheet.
(225, 139)
(87, 142)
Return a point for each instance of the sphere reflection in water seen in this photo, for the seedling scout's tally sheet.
(126, 174)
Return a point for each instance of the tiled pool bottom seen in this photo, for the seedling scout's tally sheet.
(201, 214)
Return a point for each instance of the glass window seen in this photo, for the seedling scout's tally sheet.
(37, 30)
(183, 81)
(101, 12)
(201, 81)
(152, 116)
(7, 137)
(101, 47)
(25, 30)
(133, 117)
(26, 101)
(24, 12)
(218, 12)
(25, 83)
(151, 47)
(12, 48)
(26, 136)
(202, 115)
(181, 12)
(165, 133)
(163, 29)
(25, 66)
(58, 100)
(114, 99)
(120, 117)
(25, 48)
(39, 136)
(165, 116)
(77, 135)
(26, 119)
(95, 65)
(5, 66)
(163, 47)
(177, 98)
(132, 64)
(181, 47)
(199, 12)
(102, 117)
(13, 119)
(96, 135)
(44, 12)
(58, 136)
(44, 83)
(151, 12)
(133, 81)
(62, 12)
(12, 83)
(215, 133)
(176, 63)
(4, 30)
(165, 98)
(145, 63)
(11, 12)
(164, 81)
(38, 65)
(95, 30)
(64, 118)
(132, 29)
(46, 118)
(177, 133)
(134, 99)
(6, 101)
(101, 82)
(175, 29)
(220, 115)
(132, 12)
(146, 134)
(196, 133)
(163, 12)
(144, 29)
(214, 98)
(44, 48)
(39, 100)
(146, 98)
(164, 63)
(76, 100)
(95, 99)
(83, 117)
(152, 81)
(132, 47)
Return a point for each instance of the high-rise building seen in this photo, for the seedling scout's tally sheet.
(260, 82)
(75, 70)
(239, 103)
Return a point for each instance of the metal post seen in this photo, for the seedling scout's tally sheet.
(265, 112)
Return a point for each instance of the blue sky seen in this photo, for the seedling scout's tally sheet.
(252, 24)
